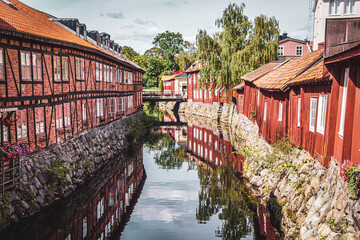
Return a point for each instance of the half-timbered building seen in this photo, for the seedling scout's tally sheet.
(58, 79)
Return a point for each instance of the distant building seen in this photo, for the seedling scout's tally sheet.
(291, 47)
(175, 84)
(325, 9)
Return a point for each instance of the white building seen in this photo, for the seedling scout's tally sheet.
(324, 9)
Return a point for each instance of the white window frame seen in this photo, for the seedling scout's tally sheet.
(99, 71)
(80, 68)
(2, 69)
(258, 97)
(57, 68)
(84, 112)
(313, 110)
(36, 67)
(280, 115)
(299, 112)
(65, 68)
(25, 66)
(100, 107)
(343, 103)
(299, 48)
(321, 114)
(265, 110)
(334, 7)
(281, 51)
(39, 123)
(349, 7)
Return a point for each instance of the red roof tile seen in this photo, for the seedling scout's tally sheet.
(194, 67)
(261, 71)
(314, 74)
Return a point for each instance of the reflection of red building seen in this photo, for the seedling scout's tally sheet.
(212, 147)
(109, 209)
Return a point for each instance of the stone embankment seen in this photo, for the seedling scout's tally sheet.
(55, 172)
(307, 200)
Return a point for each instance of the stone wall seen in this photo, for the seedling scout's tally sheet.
(83, 154)
(310, 201)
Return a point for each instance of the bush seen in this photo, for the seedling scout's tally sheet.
(58, 172)
(351, 174)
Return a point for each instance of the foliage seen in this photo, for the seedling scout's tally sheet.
(339, 225)
(138, 128)
(240, 47)
(186, 57)
(129, 53)
(12, 152)
(58, 172)
(253, 114)
(351, 174)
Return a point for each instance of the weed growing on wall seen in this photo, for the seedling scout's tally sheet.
(351, 174)
(58, 171)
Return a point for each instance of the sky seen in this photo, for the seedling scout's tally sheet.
(135, 23)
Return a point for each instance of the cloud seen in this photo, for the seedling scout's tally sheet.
(143, 34)
(127, 26)
(144, 22)
(118, 15)
(175, 4)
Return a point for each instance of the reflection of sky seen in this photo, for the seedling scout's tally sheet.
(167, 206)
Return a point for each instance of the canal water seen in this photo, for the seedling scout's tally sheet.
(185, 183)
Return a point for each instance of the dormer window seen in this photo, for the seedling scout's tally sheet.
(349, 7)
(85, 34)
(78, 31)
(334, 7)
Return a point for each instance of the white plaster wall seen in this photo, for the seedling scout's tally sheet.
(322, 13)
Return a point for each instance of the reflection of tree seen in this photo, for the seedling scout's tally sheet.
(169, 155)
(220, 190)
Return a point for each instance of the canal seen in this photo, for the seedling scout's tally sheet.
(183, 183)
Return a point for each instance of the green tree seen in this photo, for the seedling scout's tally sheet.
(187, 56)
(129, 53)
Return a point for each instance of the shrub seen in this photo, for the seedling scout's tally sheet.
(351, 174)
(58, 172)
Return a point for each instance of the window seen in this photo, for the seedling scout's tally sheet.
(265, 110)
(68, 237)
(120, 104)
(299, 112)
(111, 105)
(130, 101)
(110, 74)
(65, 68)
(349, 7)
(67, 115)
(25, 66)
(343, 103)
(84, 112)
(194, 80)
(334, 7)
(84, 223)
(313, 105)
(59, 117)
(321, 117)
(299, 50)
(4, 131)
(99, 107)
(57, 69)
(100, 209)
(36, 63)
(280, 116)
(39, 120)
(98, 71)
(21, 124)
(281, 51)
(2, 71)
(258, 97)
(80, 68)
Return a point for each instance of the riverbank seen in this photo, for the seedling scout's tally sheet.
(53, 173)
(308, 201)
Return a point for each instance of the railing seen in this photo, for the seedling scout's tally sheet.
(10, 174)
(165, 94)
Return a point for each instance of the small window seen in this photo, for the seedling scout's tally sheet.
(77, 31)
(65, 68)
(299, 50)
(343, 103)
(39, 120)
(98, 71)
(25, 66)
(2, 69)
(4, 132)
(299, 112)
(84, 112)
(37, 72)
(111, 105)
(281, 51)
(57, 69)
(67, 115)
(265, 110)
(321, 117)
(119, 106)
(80, 68)
(100, 209)
(313, 105)
(334, 8)
(99, 107)
(349, 7)
(84, 223)
(258, 96)
(280, 115)
(59, 116)
(21, 124)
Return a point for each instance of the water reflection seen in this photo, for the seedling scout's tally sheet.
(99, 209)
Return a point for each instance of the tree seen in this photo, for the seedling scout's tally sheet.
(187, 56)
(129, 53)
(240, 47)
(170, 44)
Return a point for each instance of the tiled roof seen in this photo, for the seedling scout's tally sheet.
(314, 74)
(165, 78)
(194, 67)
(239, 87)
(250, 77)
(278, 78)
(183, 75)
(25, 19)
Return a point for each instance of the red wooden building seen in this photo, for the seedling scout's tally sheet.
(342, 55)
(59, 79)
